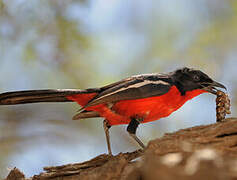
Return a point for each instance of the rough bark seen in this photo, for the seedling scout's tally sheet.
(201, 152)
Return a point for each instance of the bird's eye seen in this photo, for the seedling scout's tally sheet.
(196, 78)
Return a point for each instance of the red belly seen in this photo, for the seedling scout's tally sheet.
(150, 109)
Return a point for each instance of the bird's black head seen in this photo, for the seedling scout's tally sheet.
(187, 79)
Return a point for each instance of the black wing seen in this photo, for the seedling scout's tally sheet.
(136, 87)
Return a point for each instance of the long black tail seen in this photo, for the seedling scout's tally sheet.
(36, 96)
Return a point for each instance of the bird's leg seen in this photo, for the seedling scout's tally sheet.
(106, 129)
(132, 127)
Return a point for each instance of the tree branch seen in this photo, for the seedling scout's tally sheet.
(201, 152)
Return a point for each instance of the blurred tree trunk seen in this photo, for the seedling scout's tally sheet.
(201, 152)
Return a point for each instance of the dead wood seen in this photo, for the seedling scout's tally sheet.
(201, 152)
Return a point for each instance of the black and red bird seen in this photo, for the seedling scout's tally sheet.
(134, 100)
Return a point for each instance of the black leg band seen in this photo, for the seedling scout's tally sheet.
(132, 127)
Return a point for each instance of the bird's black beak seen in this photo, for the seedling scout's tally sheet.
(212, 87)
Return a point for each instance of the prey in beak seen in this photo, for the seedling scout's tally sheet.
(212, 87)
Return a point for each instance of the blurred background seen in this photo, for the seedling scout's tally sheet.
(89, 43)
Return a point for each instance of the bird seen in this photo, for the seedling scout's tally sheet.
(132, 101)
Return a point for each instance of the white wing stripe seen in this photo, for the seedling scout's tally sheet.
(137, 85)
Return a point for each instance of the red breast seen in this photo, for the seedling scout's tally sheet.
(151, 109)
